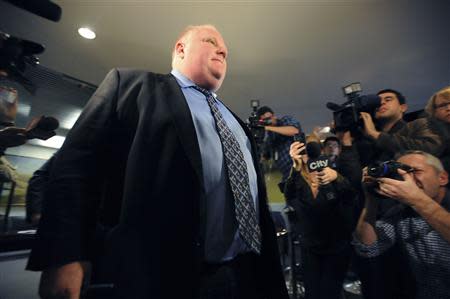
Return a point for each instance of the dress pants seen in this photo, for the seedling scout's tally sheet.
(235, 279)
(324, 273)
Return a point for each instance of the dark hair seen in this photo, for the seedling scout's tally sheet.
(331, 138)
(401, 98)
(262, 110)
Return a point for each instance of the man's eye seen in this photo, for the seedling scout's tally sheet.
(209, 40)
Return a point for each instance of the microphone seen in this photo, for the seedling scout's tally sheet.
(42, 127)
(316, 161)
(42, 8)
(313, 149)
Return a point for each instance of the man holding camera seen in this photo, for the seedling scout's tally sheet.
(421, 226)
(280, 132)
(387, 135)
(390, 134)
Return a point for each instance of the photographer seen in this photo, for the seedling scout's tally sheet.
(324, 202)
(421, 226)
(389, 134)
(280, 132)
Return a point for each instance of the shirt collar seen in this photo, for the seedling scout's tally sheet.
(184, 81)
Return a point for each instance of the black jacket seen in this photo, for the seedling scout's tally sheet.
(132, 162)
(325, 224)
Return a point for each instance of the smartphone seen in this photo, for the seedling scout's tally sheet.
(300, 137)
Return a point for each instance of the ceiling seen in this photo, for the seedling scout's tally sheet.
(291, 55)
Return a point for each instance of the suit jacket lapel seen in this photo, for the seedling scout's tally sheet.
(183, 122)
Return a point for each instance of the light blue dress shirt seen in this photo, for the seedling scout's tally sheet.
(219, 199)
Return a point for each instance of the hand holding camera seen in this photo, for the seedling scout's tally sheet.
(376, 174)
(12, 136)
(297, 151)
(42, 127)
(369, 126)
(405, 190)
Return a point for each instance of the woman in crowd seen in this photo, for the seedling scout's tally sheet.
(438, 110)
(325, 203)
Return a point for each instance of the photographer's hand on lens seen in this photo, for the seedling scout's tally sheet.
(369, 126)
(294, 152)
(326, 176)
(405, 191)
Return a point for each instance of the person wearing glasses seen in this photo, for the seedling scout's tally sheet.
(420, 226)
(387, 134)
(438, 109)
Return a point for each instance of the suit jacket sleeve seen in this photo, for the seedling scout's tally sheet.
(72, 197)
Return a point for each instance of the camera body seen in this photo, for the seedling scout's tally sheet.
(388, 169)
(346, 115)
(15, 55)
(254, 124)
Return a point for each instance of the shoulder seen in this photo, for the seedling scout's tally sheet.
(131, 74)
(420, 122)
(289, 120)
(129, 81)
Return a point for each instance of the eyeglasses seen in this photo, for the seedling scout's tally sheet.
(442, 105)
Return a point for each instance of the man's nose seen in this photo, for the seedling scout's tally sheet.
(221, 51)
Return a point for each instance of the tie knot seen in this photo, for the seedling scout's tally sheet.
(207, 93)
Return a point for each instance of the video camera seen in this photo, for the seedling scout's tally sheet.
(346, 116)
(255, 125)
(15, 55)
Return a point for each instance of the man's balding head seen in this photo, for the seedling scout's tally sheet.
(200, 54)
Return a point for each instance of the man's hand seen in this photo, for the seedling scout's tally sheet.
(405, 191)
(12, 136)
(63, 282)
(326, 176)
(369, 126)
(297, 158)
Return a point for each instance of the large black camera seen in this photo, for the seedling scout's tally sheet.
(256, 125)
(346, 116)
(388, 169)
(15, 55)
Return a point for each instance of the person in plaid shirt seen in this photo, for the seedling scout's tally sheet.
(279, 136)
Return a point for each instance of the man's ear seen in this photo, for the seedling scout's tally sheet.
(443, 178)
(179, 49)
(404, 107)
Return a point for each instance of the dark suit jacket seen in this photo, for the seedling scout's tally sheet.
(132, 163)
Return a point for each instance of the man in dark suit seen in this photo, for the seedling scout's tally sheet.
(146, 163)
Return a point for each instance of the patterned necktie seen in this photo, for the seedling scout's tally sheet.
(238, 177)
